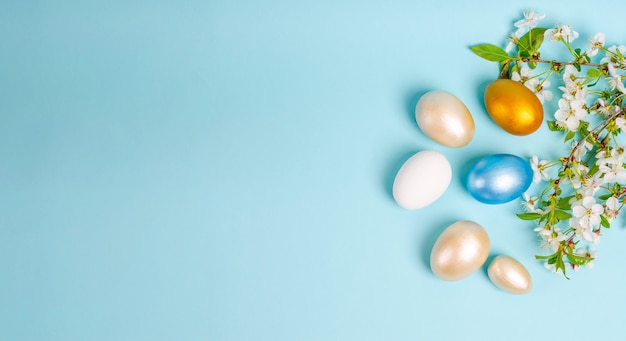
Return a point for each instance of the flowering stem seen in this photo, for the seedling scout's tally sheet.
(557, 63)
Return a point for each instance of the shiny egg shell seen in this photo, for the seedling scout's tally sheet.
(422, 179)
(499, 178)
(510, 275)
(461, 249)
(444, 118)
(513, 106)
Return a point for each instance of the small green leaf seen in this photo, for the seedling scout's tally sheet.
(553, 126)
(564, 202)
(529, 216)
(490, 52)
(578, 260)
(560, 265)
(593, 170)
(570, 135)
(605, 196)
(532, 40)
(550, 258)
(605, 222)
(562, 215)
(524, 54)
(593, 73)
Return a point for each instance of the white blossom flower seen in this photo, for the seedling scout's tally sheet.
(604, 157)
(540, 169)
(620, 122)
(574, 88)
(570, 113)
(613, 172)
(539, 88)
(605, 108)
(543, 231)
(522, 75)
(615, 55)
(596, 43)
(529, 204)
(588, 212)
(618, 153)
(616, 81)
(611, 208)
(591, 185)
(583, 232)
(582, 149)
(563, 32)
(512, 41)
(530, 20)
(588, 252)
(552, 239)
(578, 173)
(571, 76)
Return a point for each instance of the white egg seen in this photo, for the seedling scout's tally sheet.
(510, 275)
(422, 179)
(444, 118)
(461, 249)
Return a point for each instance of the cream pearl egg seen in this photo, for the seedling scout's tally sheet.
(510, 275)
(461, 249)
(445, 119)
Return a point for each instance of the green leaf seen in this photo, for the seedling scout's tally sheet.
(560, 265)
(593, 73)
(490, 52)
(564, 202)
(605, 196)
(553, 126)
(529, 216)
(550, 258)
(578, 260)
(532, 40)
(593, 170)
(570, 135)
(562, 215)
(605, 222)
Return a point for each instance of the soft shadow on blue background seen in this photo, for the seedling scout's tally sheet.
(192, 170)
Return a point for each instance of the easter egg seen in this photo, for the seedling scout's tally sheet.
(513, 106)
(499, 178)
(444, 118)
(509, 275)
(422, 179)
(461, 249)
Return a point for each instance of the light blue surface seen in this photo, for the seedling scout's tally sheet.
(222, 170)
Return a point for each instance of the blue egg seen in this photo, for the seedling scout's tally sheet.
(499, 178)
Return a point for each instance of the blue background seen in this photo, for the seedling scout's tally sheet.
(222, 170)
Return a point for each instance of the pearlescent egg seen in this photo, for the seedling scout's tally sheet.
(461, 249)
(510, 275)
(422, 179)
(444, 118)
(499, 178)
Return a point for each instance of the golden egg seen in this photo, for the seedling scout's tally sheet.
(510, 275)
(461, 249)
(513, 107)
